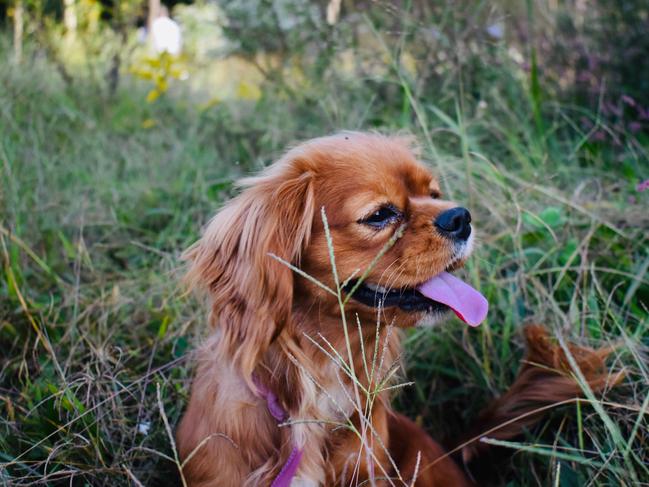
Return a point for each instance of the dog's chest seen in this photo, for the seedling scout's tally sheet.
(302, 482)
(335, 401)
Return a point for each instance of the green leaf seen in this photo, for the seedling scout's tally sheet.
(162, 329)
(181, 346)
(552, 216)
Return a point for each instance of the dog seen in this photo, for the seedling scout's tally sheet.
(310, 274)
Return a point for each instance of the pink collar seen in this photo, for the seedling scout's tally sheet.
(287, 473)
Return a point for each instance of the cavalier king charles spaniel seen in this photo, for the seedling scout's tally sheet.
(310, 273)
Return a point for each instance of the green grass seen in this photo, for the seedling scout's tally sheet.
(95, 210)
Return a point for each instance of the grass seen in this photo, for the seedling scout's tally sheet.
(101, 193)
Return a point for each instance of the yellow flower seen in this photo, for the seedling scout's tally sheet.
(248, 91)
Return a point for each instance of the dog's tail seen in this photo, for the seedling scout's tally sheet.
(546, 378)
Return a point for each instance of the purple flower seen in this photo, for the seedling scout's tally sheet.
(617, 111)
(628, 100)
(643, 113)
(599, 135)
(642, 186)
(635, 127)
(497, 30)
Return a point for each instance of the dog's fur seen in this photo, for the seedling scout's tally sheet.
(271, 325)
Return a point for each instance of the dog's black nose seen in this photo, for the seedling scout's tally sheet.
(454, 223)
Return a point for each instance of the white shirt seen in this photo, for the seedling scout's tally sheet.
(165, 35)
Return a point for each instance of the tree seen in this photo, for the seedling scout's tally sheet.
(18, 14)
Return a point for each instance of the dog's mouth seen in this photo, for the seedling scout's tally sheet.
(438, 294)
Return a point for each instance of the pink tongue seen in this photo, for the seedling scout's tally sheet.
(467, 303)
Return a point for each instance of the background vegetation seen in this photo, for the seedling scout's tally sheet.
(534, 114)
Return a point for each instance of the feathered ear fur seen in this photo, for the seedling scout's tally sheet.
(251, 293)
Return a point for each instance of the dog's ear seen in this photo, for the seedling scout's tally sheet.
(251, 292)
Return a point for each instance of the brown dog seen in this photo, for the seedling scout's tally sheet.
(280, 352)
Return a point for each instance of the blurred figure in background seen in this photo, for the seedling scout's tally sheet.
(165, 33)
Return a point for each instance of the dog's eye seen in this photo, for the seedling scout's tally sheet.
(382, 217)
(435, 194)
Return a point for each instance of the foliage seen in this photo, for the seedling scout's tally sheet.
(598, 59)
(159, 70)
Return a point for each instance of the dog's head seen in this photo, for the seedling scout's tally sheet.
(378, 200)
